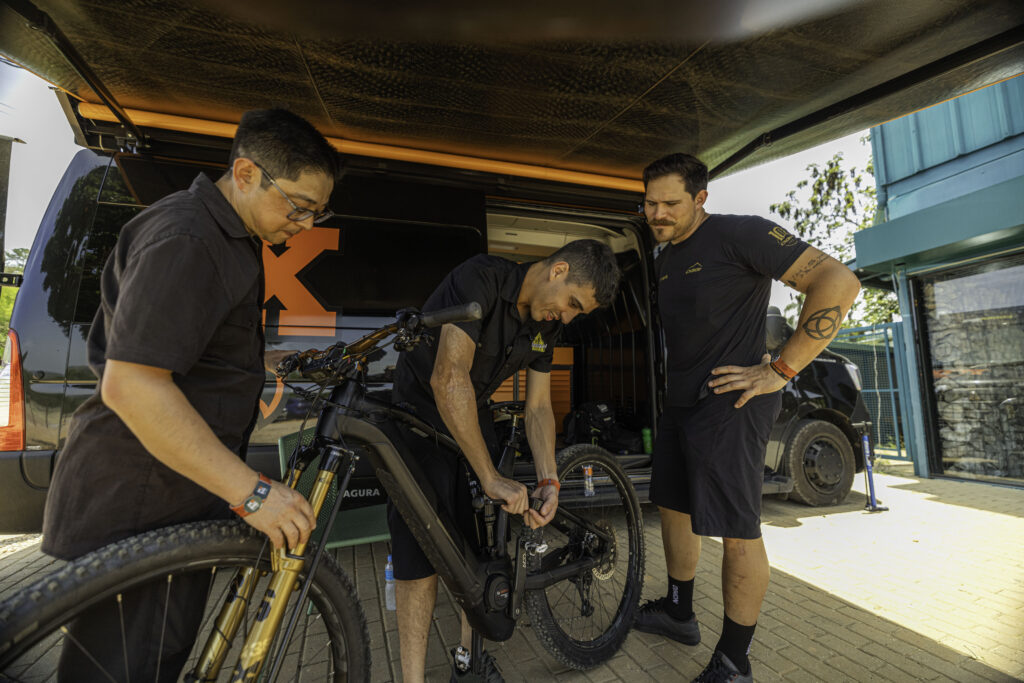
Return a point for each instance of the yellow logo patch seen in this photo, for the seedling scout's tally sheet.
(695, 268)
(539, 345)
(782, 236)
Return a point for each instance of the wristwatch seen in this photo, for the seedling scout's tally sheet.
(255, 500)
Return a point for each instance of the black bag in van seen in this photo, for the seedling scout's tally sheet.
(596, 423)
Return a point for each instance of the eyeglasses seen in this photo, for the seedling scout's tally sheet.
(298, 213)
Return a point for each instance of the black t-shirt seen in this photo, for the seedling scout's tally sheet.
(713, 293)
(183, 291)
(505, 343)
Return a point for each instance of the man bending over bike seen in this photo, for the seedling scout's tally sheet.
(448, 383)
(178, 347)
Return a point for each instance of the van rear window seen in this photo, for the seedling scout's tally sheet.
(392, 242)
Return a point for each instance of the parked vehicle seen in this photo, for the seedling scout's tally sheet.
(814, 449)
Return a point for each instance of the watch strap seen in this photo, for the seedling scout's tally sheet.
(255, 500)
(549, 482)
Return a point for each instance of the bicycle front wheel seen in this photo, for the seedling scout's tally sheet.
(583, 620)
(329, 643)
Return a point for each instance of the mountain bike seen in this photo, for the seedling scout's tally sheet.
(294, 614)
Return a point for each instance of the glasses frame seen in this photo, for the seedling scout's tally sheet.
(298, 213)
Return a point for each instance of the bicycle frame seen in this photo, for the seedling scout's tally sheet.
(489, 591)
(475, 582)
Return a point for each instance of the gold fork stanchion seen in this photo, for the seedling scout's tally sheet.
(208, 666)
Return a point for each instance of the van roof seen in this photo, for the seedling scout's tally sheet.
(734, 82)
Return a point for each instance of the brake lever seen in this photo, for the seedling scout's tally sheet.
(288, 365)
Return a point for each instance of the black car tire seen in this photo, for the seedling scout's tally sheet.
(820, 460)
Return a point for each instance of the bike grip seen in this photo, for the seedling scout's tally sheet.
(453, 314)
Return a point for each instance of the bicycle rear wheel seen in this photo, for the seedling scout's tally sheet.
(584, 620)
(330, 641)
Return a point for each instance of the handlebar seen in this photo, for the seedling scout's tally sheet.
(410, 323)
(453, 314)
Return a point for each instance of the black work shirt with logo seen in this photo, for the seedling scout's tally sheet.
(505, 343)
(713, 293)
(182, 291)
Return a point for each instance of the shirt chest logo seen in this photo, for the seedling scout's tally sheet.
(539, 345)
(782, 236)
(695, 268)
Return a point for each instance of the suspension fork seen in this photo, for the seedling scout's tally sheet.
(286, 568)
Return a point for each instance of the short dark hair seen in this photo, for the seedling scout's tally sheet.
(590, 263)
(691, 169)
(285, 143)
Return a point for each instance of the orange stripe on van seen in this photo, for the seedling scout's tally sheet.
(187, 124)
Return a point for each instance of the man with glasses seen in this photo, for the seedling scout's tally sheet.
(177, 345)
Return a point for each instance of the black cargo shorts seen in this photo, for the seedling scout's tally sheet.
(709, 462)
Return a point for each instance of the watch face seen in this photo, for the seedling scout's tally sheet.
(253, 504)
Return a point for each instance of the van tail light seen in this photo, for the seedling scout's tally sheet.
(12, 398)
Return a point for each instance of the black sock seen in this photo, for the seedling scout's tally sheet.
(680, 599)
(735, 643)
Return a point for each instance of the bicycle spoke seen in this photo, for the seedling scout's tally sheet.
(124, 643)
(67, 635)
(163, 627)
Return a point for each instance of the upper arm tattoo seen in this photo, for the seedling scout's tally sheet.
(811, 265)
(823, 324)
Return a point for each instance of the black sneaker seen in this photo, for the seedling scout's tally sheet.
(491, 674)
(721, 670)
(652, 617)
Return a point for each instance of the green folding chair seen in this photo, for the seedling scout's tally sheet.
(351, 527)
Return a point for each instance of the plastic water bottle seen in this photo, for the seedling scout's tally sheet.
(588, 480)
(389, 585)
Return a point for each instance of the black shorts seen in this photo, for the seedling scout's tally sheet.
(709, 463)
(446, 474)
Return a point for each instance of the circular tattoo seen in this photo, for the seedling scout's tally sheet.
(823, 324)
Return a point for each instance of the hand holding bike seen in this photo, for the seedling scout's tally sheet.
(285, 517)
(515, 496)
(541, 515)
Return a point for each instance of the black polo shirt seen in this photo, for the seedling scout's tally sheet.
(713, 293)
(505, 343)
(182, 291)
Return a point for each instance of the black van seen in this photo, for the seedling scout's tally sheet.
(400, 227)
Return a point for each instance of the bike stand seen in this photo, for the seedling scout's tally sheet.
(872, 504)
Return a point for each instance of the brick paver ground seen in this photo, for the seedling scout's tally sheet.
(932, 590)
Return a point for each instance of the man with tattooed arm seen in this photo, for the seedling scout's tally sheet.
(714, 283)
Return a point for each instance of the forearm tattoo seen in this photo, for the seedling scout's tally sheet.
(823, 324)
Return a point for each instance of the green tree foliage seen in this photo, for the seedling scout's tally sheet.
(14, 262)
(825, 209)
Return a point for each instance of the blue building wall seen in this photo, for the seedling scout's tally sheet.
(950, 150)
(950, 184)
(937, 160)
